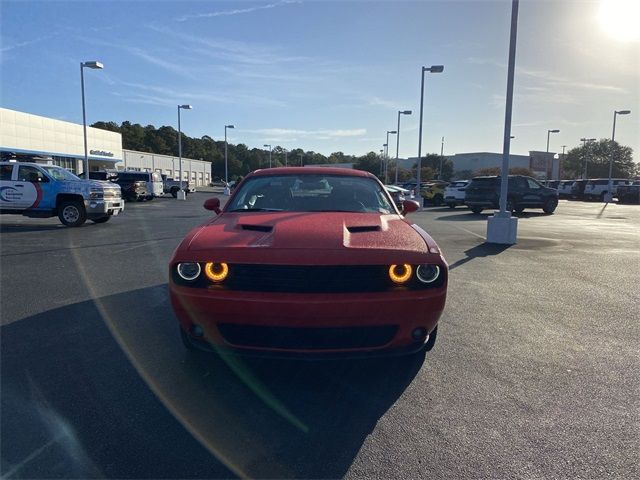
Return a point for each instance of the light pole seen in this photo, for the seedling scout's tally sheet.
(400, 112)
(560, 163)
(226, 161)
(95, 66)
(265, 146)
(441, 156)
(432, 69)
(609, 195)
(386, 168)
(549, 132)
(585, 142)
(300, 155)
(382, 160)
(285, 156)
(181, 194)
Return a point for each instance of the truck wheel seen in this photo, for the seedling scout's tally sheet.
(72, 213)
(174, 192)
(452, 205)
(519, 209)
(104, 219)
(550, 205)
(437, 200)
(476, 210)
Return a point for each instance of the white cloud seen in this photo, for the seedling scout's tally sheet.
(237, 11)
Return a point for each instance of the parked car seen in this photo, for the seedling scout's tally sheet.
(551, 184)
(564, 188)
(173, 186)
(577, 189)
(153, 182)
(455, 192)
(433, 192)
(597, 189)
(103, 175)
(523, 192)
(398, 194)
(335, 265)
(629, 193)
(134, 187)
(36, 190)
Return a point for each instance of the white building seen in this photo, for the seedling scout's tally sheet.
(32, 138)
(196, 172)
(28, 137)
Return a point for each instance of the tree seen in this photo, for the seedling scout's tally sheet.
(596, 156)
(369, 163)
(497, 171)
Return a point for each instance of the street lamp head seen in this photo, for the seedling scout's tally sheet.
(229, 126)
(185, 107)
(94, 65)
(406, 112)
(392, 132)
(435, 68)
(384, 145)
(267, 146)
(512, 136)
(624, 112)
(554, 131)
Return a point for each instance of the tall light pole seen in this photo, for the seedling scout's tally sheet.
(441, 157)
(400, 112)
(585, 142)
(431, 69)
(502, 228)
(300, 155)
(265, 146)
(560, 163)
(226, 160)
(95, 66)
(549, 132)
(181, 194)
(382, 160)
(285, 156)
(609, 195)
(386, 168)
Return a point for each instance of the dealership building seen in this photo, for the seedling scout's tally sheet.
(32, 138)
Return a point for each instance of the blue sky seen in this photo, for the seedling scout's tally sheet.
(329, 76)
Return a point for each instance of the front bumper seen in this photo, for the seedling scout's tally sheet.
(100, 208)
(213, 311)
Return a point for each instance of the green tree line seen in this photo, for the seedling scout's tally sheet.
(242, 159)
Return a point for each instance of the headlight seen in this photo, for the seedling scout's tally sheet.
(216, 272)
(428, 273)
(96, 194)
(400, 273)
(188, 271)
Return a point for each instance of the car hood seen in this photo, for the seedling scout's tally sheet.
(338, 236)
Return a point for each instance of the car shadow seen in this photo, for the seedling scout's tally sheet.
(17, 228)
(482, 250)
(469, 216)
(260, 418)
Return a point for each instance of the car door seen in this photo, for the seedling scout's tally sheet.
(33, 182)
(534, 193)
(9, 194)
(516, 190)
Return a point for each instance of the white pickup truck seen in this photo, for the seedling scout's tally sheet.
(36, 190)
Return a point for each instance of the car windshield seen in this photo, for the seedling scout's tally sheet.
(58, 173)
(311, 193)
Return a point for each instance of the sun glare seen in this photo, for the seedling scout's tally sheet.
(620, 19)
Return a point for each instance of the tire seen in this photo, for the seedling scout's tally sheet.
(174, 192)
(452, 205)
(476, 210)
(104, 219)
(511, 207)
(186, 341)
(437, 200)
(550, 205)
(432, 340)
(72, 213)
(602, 196)
(519, 209)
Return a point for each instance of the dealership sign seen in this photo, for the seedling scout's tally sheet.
(102, 153)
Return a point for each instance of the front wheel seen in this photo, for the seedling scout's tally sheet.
(519, 209)
(104, 219)
(72, 213)
(174, 192)
(437, 200)
(452, 205)
(476, 210)
(550, 205)
(431, 341)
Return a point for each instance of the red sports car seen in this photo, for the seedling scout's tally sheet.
(309, 261)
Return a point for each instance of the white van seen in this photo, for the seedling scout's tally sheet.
(155, 186)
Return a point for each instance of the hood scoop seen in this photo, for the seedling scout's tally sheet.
(364, 228)
(256, 228)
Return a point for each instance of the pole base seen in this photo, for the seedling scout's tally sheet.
(227, 191)
(502, 229)
(182, 195)
(608, 197)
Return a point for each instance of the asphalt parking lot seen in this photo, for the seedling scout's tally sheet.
(535, 372)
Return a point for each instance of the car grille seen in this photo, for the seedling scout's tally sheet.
(292, 338)
(309, 279)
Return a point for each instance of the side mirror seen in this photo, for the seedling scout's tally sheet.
(409, 206)
(213, 204)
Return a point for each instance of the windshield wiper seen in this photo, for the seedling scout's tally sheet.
(256, 210)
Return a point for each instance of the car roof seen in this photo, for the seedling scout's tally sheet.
(310, 171)
(31, 164)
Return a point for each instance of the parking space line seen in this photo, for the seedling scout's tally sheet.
(472, 233)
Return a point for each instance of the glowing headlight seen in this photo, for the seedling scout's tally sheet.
(188, 271)
(216, 272)
(400, 273)
(96, 194)
(428, 273)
